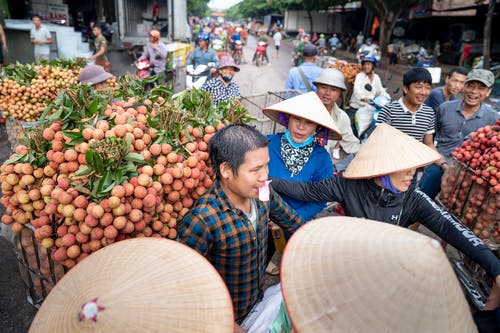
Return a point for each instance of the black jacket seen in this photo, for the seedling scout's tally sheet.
(363, 198)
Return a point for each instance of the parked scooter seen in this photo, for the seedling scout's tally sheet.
(195, 77)
(366, 117)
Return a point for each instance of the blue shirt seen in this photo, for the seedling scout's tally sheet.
(318, 167)
(452, 127)
(311, 72)
(334, 41)
(200, 57)
(436, 98)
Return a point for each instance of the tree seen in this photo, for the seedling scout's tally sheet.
(388, 12)
(251, 8)
(487, 34)
(198, 7)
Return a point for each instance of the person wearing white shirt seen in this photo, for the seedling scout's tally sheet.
(41, 38)
(367, 85)
(330, 84)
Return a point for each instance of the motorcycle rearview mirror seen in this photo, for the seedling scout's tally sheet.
(368, 87)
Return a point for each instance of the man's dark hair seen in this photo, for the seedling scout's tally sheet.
(230, 145)
(35, 15)
(417, 74)
(458, 70)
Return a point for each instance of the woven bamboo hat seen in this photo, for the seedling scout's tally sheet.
(389, 150)
(345, 274)
(139, 285)
(307, 106)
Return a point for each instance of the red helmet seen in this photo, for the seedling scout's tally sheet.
(154, 33)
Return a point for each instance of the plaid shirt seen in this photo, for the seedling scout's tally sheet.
(222, 233)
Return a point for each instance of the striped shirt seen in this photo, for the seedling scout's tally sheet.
(415, 124)
(225, 236)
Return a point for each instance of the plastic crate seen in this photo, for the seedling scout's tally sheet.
(178, 54)
(38, 271)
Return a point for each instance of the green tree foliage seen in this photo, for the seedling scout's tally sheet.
(251, 8)
(198, 8)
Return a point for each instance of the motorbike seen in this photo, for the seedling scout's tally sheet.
(237, 51)
(366, 117)
(260, 53)
(410, 54)
(144, 70)
(368, 51)
(196, 76)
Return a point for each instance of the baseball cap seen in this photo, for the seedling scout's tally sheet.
(310, 51)
(484, 76)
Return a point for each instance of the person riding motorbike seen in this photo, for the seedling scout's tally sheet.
(263, 42)
(156, 52)
(204, 54)
(233, 39)
(368, 50)
(367, 85)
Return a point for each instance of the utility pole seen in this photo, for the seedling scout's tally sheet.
(487, 34)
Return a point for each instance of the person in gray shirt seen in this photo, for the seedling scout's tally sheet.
(455, 120)
(41, 38)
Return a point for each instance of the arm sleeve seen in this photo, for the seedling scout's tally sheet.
(324, 170)
(289, 80)
(349, 143)
(162, 50)
(453, 232)
(356, 91)
(381, 91)
(323, 191)
(284, 215)
(195, 233)
(432, 126)
(384, 116)
(145, 54)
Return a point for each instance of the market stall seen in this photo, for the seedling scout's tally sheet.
(102, 166)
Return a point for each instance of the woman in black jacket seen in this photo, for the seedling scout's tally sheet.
(375, 186)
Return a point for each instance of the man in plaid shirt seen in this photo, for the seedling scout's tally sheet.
(229, 224)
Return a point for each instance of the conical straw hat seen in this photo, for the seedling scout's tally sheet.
(389, 150)
(142, 285)
(307, 106)
(345, 274)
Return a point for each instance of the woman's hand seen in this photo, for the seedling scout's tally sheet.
(494, 298)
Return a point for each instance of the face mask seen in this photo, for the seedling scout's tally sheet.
(226, 79)
(294, 144)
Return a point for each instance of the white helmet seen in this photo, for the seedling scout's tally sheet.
(331, 77)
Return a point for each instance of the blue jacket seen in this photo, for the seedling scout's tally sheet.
(311, 72)
(198, 57)
(318, 167)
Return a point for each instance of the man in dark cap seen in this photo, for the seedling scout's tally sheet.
(301, 78)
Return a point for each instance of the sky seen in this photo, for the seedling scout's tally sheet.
(222, 4)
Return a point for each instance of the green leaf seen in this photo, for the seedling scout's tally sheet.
(83, 170)
(14, 159)
(99, 163)
(89, 158)
(134, 157)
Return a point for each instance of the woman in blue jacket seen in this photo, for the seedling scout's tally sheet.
(298, 154)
